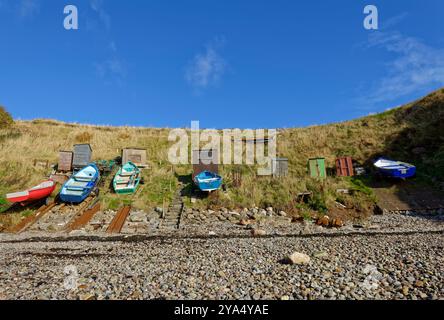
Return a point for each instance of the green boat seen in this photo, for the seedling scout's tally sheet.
(127, 179)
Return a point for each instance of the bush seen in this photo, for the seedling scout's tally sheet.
(5, 118)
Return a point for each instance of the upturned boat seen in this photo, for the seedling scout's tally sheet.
(42, 191)
(80, 185)
(208, 181)
(127, 179)
(395, 169)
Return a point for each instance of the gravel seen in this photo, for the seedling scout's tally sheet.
(359, 267)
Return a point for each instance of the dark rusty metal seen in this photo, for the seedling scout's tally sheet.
(84, 218)
(32, 219)
(117, 223)
(344, 167)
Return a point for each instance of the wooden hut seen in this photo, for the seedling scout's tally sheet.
(279, 167)
(65, 161)
(205, 160)
(316, 168)
(82, 156)
(135, 155)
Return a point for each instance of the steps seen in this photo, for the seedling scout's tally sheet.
(172, 218)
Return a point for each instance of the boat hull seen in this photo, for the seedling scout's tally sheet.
(80, 185)
(127, 179)
(39, 192)
(395, 169)
(208, 181)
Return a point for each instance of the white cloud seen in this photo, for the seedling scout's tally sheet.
(111, 70)
(28, 8)
(105, 18)
(415, 67)
(206, 68)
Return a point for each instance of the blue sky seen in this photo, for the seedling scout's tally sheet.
(228, 64)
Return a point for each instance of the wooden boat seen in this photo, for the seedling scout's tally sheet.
(208, 181)
(80, 185)
(42, 191)
(395, 169)
(127, 179)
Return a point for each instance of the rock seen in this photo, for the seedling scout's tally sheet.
(419, 150)
(321, 254)
(270, 209)
(210, 211)
(282, 213)
(285, 298)
(234, 213)
(419, 284)
(405, 290)
(258, 233)
(138, 217)
(89, 296)
(193, 200)
(337, 223)
(244, 222)
(77, 233)
(159, 210)
(298, 258)
(324, 221)
(211, 233)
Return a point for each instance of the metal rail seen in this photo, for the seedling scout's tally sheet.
(117, 223)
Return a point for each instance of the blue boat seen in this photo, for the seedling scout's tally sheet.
(208, 181)
(395, 169)
(80, 185)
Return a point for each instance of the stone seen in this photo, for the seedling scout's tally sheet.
(405, 290)
(211, 233)
(282, 213)
(244, 222)
(285, 298)
(298, 258)
(258, 233)
(321, 254)
(270, 209)
(419, 150)
(159, 210)
(324, 221)
(137, 217)
(210, 211)
(419, 284)
(337, 223)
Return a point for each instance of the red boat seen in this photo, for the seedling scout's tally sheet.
(39, 192)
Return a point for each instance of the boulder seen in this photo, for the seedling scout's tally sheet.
(337, 223)
(138, 217)
(159, 210)
(258, 233)
(244, 222)
(298, 258)
(324, 221)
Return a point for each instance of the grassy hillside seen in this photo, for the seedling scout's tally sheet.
(413, 133)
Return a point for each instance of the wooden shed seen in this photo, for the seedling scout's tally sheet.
(135, 155)
(279, 167)
(344, 167)
(65, 161)
(316, 168)
(82, 156)
(205, 160)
